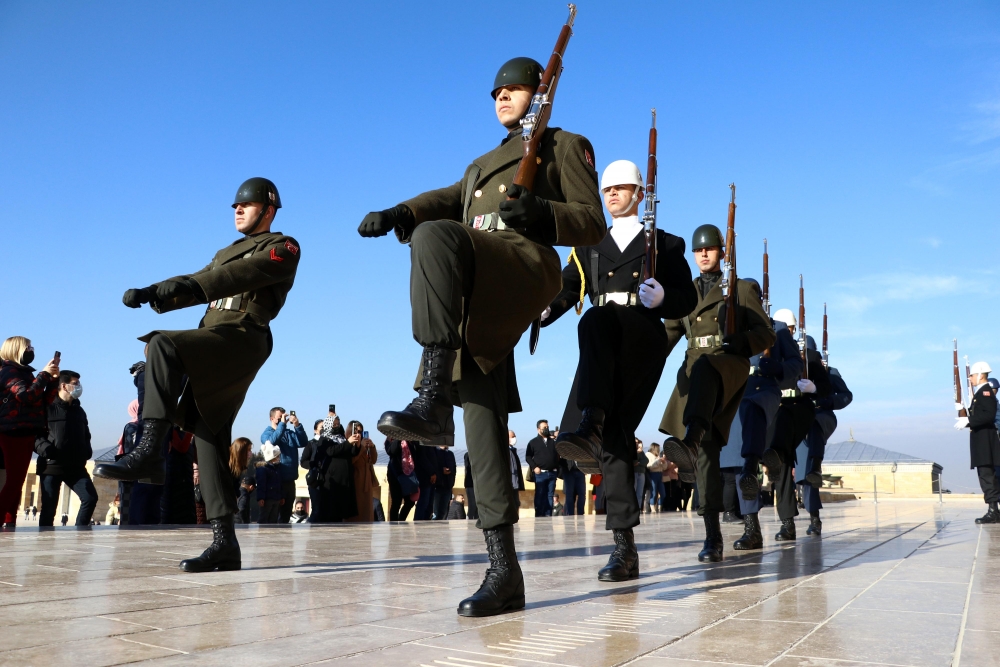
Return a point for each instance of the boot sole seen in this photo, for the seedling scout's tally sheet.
(749, 487)
(678, 452)
(756, 545)
(814, 479)
(397, 433)
(511, 605)
(157, 479)
(772, 461)
(569, 449)
(634, 574)
(221, 567)
(709, 559)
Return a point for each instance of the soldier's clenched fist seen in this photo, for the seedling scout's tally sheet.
(380, 223)
(134, 298)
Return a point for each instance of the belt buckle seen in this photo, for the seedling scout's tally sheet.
(703, 341)
(620, 298)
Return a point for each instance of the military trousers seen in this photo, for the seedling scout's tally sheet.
(791, 425)
(165, 379)
(622, 354)
(442, 272)
(988, 483)
(705, 395)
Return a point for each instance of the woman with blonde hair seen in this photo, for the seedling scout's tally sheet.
(24, 401)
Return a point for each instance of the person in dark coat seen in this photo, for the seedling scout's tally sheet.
(178, 502)
(810, 452)
(198, 378)
(426, 472)
(269, 493)
(470, 489)
(741, 456)
(312, 482)
(516, 474)
(445, 482)
(543, 462)
(574, 486)
(984, 443)
(623, 348)
(456, 510)
(333, 461)
(64, 452)
(400, 499)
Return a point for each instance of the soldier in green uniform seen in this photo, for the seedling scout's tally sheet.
(711, 381)
(482, 269)
(245, 287)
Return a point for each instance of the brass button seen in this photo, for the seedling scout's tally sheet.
(477, 193)
(503, 188)
(716, 319)
(538, 160)
(610, 273)
(635, 274)
(699, 318)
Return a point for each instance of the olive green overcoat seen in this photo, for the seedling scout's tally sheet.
(222, 356)
(734, 369)
(517, 277)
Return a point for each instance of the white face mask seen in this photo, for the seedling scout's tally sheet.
(513, 441)
(77, 390)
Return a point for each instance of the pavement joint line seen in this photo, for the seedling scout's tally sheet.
(853, 662)
(488, 655)
(186, 597)
(53, 567)
(9, 583)
(968, 598)
(164, 648)
(186, 581)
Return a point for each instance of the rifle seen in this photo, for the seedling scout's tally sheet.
(826, 341)
(533, 127)
(968, 378)
(729, 286)
(766, 287)
(962, 412)
(803, 347)
(649, 216)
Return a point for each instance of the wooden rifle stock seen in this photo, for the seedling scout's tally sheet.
(730, 268)
(968, 379)
(765, 295)
(826, 341)
(803, 341)
(537, 119)
(649, 217)
(962, 412)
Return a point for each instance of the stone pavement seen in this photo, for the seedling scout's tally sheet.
(898, 583)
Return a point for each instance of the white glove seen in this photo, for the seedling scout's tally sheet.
(651, 293)
(959, 406)
(546, 313)
(961, 422)
(806, 386)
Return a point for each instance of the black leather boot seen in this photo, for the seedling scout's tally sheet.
(749, 482)
(992, 515)
(624, 561)
(503, 588)
(787, 532)
(815, 525)
(224, 552)
(731, 517)
(712, 550)
(144, 463)
(814, 477)
(584, 444)
(752, 536)
(429, 418)
(685, 452)
(773, 462)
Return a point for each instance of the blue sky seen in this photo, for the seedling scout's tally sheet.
(864, 141)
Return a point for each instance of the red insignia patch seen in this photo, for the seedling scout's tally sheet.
(292, 248)
(590, 158)
(275, 258)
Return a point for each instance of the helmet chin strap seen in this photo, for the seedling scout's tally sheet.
(260, 219)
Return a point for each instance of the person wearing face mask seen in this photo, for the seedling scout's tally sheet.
(623, 348)
(483, 267)
(516, 474)
(24, 399)
(63, 453)
(198, 379)
(543, 463)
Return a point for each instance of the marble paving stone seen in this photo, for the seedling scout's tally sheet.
(885, 584)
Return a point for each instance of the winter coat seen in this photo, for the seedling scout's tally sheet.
(334, 457)
(268, 481)
(66, 449)
(456, 511)
(289, 440)
(425, 463)
(984, 443)
(365, 482)
(541, 453)
(468, 483)
(24, 398)
(445, 459)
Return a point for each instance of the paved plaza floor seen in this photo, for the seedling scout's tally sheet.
(898, 583)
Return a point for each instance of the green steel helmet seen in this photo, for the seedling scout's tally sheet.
(707, 236)
(518, 71)
(258, 190)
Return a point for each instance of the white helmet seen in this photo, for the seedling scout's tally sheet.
(784, 315)
(980, 367)
(621, 172)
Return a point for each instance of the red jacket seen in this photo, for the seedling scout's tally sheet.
(24, 399)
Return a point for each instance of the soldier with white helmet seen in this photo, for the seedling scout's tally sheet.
(623, 347)
(984, 443)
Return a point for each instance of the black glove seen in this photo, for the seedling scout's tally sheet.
(172, 289)
(137, 367)
(380, 223)
(738, 344)
(526, 211)
(771, 368)
(134, 298)
(824, 403)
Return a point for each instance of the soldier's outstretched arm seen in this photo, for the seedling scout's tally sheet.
(191, 296)
(272, 263)
(676, 332)
(579, 221)
(567, 297)
(674, 274)
(760, 335)
(842, 396)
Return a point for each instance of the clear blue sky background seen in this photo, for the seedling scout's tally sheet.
(864, 139)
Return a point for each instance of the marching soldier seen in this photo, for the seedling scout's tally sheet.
(748, 436)
(245, 287)
(791, 425)
(984, 443)
(483, 268)
(711, 381)
(809, 454)
(623, 347)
